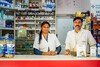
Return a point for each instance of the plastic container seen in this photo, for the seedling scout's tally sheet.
(2, 43)
(10, 48)
(98, 49)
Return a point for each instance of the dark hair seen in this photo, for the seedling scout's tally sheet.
(40, 34)
(78, 18)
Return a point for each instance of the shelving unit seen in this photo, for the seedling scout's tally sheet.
(96, 30)
(22, 20)
(29, 16)
(7, 21)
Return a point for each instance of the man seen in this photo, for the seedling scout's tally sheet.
(78, 36)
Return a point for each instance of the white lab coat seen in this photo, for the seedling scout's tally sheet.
(52, 43)
(84, 37)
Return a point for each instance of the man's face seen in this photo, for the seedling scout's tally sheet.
(77, 24)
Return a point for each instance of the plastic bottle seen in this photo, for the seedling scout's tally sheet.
(10, 48)
(1, 47)
(98, 49)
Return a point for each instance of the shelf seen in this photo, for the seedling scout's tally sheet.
(32, 29)
(25, 23)
(40, 29)
(27, 9)
(25, 29)
(36, 19)
(52, 29)
(46, 19)
(7, 28)
(43, 15)
(26, 20)
(10, 19)
(26, 15)
(5, 8)
(36, 10)
(34, 14)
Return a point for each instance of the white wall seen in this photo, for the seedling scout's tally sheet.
(71, 6)
(64, 24)
(86, 5)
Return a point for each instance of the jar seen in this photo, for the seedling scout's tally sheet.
(74, 52)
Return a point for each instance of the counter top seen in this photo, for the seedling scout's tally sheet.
(42, 57)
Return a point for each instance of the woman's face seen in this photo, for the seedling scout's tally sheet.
(45, 28)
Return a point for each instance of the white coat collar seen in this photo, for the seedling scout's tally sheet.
(80, 30)
(45, 39)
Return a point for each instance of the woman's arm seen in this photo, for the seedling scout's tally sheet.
(58, 49)
(37, 51)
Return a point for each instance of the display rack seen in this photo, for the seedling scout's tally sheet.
(7, 22)
(96, 30)
(28, 17)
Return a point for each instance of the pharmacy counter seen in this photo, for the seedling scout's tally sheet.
(56, 57)
(49, 61)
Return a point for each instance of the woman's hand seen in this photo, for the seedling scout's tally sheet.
(68, 52)
(46, 53)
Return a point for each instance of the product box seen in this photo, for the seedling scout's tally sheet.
(98, 49)
(81, 50)
(93, 51)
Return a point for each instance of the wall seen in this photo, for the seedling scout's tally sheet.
(71, 6)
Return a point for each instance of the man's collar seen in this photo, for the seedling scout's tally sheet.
(79, 31)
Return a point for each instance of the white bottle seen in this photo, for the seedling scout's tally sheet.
(93, 51)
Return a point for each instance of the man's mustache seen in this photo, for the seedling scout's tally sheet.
(77, 26)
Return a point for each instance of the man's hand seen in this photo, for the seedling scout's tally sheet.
(67, 52)
(46, 53)
(51, 53)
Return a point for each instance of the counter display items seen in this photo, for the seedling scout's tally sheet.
(7, 47)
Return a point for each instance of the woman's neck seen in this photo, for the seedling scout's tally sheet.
(45, 35)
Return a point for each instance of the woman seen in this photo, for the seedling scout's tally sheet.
(46, 43)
